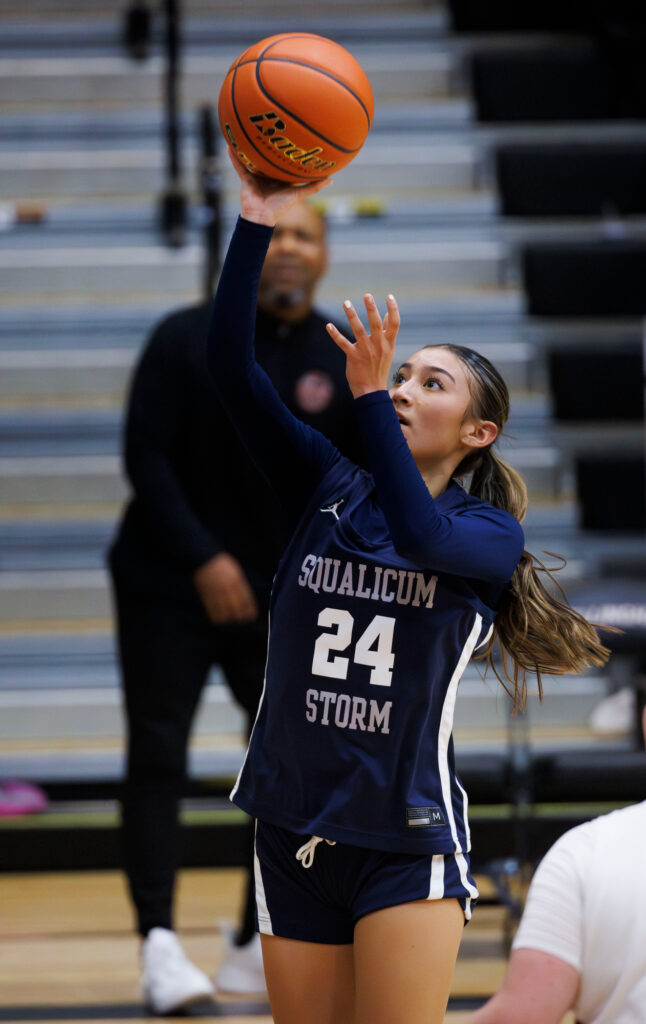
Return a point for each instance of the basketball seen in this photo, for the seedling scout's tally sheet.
(296, 107)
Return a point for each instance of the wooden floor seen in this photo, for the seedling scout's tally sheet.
(68, 952)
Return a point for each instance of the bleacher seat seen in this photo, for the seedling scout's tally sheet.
(598, 384)
(560, 179)
(531, 15)
(588, 278)
(612, 492)
(564, 83)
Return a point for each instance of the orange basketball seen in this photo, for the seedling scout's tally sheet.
(296, 107)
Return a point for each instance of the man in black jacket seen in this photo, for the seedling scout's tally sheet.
(192, 566)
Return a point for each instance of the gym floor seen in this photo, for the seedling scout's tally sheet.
(68, 952)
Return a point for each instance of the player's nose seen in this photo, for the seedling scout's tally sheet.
(402, 394)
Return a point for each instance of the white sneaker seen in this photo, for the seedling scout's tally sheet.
(614, 714)
(241, 971)
(169, 981)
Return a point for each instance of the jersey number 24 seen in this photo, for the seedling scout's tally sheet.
(373, 648)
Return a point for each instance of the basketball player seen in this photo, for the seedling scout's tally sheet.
(391, 581)
(192, 566)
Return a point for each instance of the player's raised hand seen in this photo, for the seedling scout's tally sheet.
(369, 359)
(264, 200)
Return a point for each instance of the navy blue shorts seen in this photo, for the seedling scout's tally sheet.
(323, 902)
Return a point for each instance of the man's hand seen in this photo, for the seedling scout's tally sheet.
(225, 591)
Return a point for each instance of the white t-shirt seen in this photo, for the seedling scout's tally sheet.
(587, 906)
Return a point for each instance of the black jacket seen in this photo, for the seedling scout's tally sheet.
(195, 491)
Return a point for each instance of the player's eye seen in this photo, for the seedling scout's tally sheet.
(434, 381)
(398, 377)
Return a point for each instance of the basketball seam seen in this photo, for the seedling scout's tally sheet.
(321, 71)
(295, 117)
(310, 35)
(279, 167)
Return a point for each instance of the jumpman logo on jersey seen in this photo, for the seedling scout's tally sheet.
(333, 507)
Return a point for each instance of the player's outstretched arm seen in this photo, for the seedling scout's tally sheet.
(481, 547)
(292, 455)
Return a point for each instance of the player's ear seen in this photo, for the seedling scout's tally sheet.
(479, 433)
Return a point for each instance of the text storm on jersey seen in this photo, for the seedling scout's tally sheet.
(372, 582)
(347, 712)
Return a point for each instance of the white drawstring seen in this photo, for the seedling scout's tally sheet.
(308, 849)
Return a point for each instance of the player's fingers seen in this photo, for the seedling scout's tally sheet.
(339, 339)
(354, 320)
(374, 318)
(237, 166)
(392, 320)
(313, 187)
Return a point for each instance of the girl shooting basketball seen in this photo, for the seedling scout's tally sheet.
(391, 582)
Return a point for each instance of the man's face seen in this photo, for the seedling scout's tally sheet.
(296, 259)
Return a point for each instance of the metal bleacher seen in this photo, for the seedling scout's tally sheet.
(84, 274)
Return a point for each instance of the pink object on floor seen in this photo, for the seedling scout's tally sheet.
(18, 798)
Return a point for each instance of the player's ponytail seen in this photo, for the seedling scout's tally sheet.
(536, 630)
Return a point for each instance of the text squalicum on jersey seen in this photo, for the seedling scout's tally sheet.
(372, 582)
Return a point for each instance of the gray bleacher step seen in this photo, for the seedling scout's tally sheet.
(103, 374)
(43, 660)
(105, 9)
(91, 765)
(470, 217)
(69, 594)
(448, 119)
(94, 127)
(75, 543)
(103, 271)
(472, 211)
(87, 430)
(61, 482)
(397, 70)
(473, 315)
(72, 543)
(98, 373)
(96, 713)
(139, 171)
(66, 485)
(101, 35)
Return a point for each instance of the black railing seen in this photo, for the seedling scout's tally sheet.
(210, 172)
(173, 207)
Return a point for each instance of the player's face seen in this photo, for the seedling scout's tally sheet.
(432, 397)
(297, 254)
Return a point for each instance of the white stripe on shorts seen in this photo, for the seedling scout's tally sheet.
(461, 861)
(436, 891)
(264, 920)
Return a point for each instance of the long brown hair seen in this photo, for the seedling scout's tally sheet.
(536, 631)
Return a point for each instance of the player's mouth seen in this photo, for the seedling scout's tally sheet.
(402, 419)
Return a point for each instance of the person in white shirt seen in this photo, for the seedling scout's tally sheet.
(581, 944)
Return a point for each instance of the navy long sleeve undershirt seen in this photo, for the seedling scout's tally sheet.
(473, 540)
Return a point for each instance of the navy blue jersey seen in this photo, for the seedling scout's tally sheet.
(379, 601)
